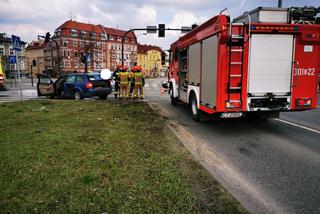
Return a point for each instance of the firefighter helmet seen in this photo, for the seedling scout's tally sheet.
(124, 68)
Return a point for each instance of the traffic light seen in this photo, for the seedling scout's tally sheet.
(161, 30)
(47, 38)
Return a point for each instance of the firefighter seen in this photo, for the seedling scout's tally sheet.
(124, 82)
(131, 80)
(139, 83)
(116, 79)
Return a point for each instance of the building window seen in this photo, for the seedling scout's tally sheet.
(76, 65)
(111, 38)
(83, 34)
(11, 51)
(75, 53)
(1, 51)
(74, 33)
(93, 35)
(119, 39)
(103, 37)
(65, 43)
(81, 44)
(75, 43)
(103, 45)
(12, 66)
(57, 33)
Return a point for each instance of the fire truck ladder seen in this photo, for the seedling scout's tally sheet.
(235, 74)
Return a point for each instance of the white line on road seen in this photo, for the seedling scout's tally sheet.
(297, 125)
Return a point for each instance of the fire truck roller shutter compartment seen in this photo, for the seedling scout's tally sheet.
(270, 66)
(194, 63)
(209, 71)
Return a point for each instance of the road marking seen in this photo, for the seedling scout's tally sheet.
(297, 125)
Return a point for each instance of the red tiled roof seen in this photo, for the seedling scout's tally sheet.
(94, 28)
(35, 45)
(80, 26)
(145, 48)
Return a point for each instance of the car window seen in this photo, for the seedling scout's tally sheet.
(45, 80)
(93, 77)
(61, 80)
(71, 79)
(80, 78)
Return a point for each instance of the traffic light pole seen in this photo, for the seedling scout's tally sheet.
(58, 56)
(138, 29)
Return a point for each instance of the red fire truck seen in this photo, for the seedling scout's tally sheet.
(260, 64)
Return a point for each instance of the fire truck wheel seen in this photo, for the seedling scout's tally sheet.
(173, 99)
(196, 113)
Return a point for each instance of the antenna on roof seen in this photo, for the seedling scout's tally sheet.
(117, 26)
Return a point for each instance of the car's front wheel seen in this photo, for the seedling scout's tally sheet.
(77, 95)
(197, 115)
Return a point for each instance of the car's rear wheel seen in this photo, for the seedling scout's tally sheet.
(77, 95)
(103, 97)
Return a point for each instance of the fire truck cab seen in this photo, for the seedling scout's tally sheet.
(262, 63)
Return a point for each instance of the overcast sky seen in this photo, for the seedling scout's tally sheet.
(29, 18)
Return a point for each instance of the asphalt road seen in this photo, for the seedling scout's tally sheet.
(270, 166)
(13, 91)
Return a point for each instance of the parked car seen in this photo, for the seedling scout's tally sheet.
(76, 86)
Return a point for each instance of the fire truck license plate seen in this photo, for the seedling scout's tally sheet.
(231, 115)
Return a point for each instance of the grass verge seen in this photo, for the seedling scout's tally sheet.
(95, 157)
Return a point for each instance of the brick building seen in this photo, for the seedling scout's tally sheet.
(75, 39)
(35, 57)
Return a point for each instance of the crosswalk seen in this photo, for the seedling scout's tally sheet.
(14, 95)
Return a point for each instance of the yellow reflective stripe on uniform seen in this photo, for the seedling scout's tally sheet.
(138, 78)
(124, 78)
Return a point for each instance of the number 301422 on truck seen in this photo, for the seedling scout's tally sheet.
(260, 64)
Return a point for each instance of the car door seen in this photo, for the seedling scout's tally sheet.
(59, 86)
(45, 86)
(68, 87)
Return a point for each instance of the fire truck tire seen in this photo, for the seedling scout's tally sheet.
(197, 115)
(173, 99)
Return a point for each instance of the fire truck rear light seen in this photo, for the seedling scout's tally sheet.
(233, 104)
(303, 102)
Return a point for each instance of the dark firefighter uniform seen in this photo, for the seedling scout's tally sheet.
(124, 83)
(116, 79)
(138, 83)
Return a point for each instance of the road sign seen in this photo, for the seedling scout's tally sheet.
(185, 29)
(12, 59)
(151, 29)
(16, 43)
